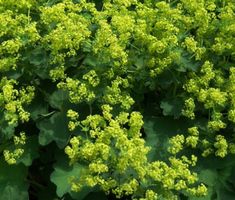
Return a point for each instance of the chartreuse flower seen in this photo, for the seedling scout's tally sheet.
(221, 145)
(11, 155)
(176, 144)
(13, 101)
(112, 49)
(189, 107)
(73, 119)
(112, 147)
(192, 139)
(17, 32)
(192, 47)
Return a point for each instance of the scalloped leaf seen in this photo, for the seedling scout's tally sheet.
(54, 129)
(172, 107)
(158, 130)
(62, 175)
(30, 151)
(13, 184)
(59, 99)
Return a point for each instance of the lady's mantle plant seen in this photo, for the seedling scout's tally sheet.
(119, 99)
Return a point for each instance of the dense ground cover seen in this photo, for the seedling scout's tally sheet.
(108, 99)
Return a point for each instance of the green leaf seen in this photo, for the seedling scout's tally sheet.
(90, 61)
(185, 62)
(96, 195)
(81, 194)
(13, 184)
(52, 2)
(62, 175)
(54, 129)
(172, 107)
(15, 74)
(37, 108)
(59, 99)
(39, 59)
(165, 79)
(208, 177)
(209, 196)
(158, 130)
(151, 138)
(6, 130)
(30, 151)
(217, 184)
(139, 63)
(212, 162)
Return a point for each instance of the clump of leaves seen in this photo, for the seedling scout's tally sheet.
(117, 99)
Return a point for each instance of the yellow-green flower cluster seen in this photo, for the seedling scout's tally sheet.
(157, 35)
(73, 116)
(221, 145)
(188, 110)
(192, 47)
(107, 46)
(112, 147)
(216, 123)
(20, 140)
(17, 30)
(231, 94)
(192, 139)
(92, 78)
(149, 195)
(68, 34)
(13, 100)
(210, 85)
(115, 94)
(114, 150)
(231, 115)
(200, 82)
(176, 175)
(224, 41)
(11, 155)
(198, 15)
(176, 144)
(207, 146)
(209, 88)
(78, 91)
(201, 190)
(58, 73)
(125, 3)
(212, 97)
(108, 54)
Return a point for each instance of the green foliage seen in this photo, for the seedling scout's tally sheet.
(54, 129)
(13, 184)
(61, 177)
(108, 99)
